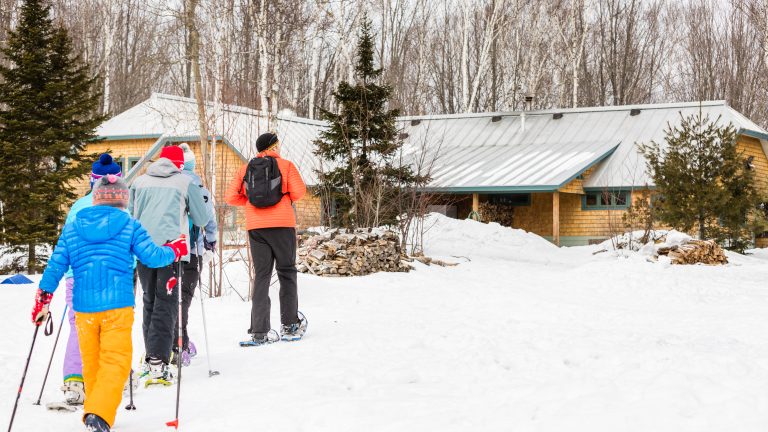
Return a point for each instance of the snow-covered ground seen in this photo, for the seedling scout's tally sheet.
(521, 336)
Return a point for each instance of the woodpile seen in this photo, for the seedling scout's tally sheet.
(503, 215)
(350, 253)
(695, 252)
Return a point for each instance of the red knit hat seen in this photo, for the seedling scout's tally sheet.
(175, 154)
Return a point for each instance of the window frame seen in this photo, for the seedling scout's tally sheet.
(527, 202)
(131, 162)
(601, 206)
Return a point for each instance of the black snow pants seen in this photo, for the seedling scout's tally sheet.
(270, 246)
(160, 310)
(188, 285)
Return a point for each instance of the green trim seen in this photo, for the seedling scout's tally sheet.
(614, 188)
(127, 137)
(590, 165)
(131, 161)
(571, 241)
(624, 206)
(753, 134)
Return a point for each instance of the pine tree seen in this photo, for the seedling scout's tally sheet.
(48, 103)
(702, 181)
(362, 142)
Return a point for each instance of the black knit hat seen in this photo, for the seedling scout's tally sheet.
(265, 141)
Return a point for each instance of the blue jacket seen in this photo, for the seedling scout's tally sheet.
(99, 245)
(84, 202)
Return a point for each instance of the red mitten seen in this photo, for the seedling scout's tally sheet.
(171, 284)
(40, 311)
(179, 247)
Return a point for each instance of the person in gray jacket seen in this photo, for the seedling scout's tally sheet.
(164, 200)
(200, 242)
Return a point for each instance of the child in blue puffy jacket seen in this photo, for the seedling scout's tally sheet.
(99, 245)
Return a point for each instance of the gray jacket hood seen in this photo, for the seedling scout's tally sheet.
(163, 167)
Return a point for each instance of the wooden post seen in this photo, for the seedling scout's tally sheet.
(556, 218)
(475, 214)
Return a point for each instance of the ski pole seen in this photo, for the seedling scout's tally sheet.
(130, 406)
(211, 372)
(53, 351)
(24, 375)
(180, 344)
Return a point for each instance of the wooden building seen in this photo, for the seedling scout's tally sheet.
(568, 175)
(136, 137)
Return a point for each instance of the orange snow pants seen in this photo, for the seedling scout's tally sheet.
(106, 349)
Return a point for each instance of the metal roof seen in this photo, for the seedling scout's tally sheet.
(488, 152)
(174, 116)
(544, 150)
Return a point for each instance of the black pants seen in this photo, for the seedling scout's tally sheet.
(270, 246)
(160, 310)
(188, 285)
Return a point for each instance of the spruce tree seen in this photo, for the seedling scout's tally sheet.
(702, 181)
(361, 143)
(48, 106)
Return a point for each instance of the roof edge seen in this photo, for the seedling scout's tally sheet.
(491, 189)
(551, 111)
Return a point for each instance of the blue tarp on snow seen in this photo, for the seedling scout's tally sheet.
(18, 279)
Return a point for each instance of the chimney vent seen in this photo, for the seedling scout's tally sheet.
(528, 102)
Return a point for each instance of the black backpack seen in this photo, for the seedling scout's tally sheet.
(263, 182)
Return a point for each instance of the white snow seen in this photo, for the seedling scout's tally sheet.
(521, 336)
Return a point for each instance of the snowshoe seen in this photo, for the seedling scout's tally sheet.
(94, 423)
(186, 359)
(261, 339)
(159, 373)
(61, 406)
(131, 383)
(74, 392)
(294, 332)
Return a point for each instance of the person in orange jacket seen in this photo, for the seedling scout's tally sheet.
(271, 224)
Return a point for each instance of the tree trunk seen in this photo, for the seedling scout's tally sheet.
(194, 50)
(31, 259)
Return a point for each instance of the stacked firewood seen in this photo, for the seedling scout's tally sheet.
(350, 253)
(503, 215)
(695, 252)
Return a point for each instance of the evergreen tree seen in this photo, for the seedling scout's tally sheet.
(702, 180)
(362, 144)
(48, 103)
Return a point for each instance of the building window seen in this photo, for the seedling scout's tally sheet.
(132, 161)
(510, 200)
(609, 199)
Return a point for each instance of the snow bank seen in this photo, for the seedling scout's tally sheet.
(448, 237)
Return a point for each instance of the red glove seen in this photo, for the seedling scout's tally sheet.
(179, 247)
(40, 311)
(171, 284)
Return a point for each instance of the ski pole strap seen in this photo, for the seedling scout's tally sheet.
(48, 325)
